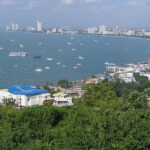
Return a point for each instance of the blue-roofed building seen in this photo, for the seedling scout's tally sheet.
(25, 96)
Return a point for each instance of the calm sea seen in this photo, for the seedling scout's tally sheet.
(74, 56)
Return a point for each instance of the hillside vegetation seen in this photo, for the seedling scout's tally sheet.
(110, 116)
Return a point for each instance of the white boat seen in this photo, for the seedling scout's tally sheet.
(11, 40)
(64, 66)
(38, 69)
(21, 45)
(18, 54)
(96, 41)
(80, 57)
(75, 67)
(47, 67)
(50, 59)
(69, 43)
(60, 50)
(15, 66)
(1, 48)
(72, 38)
(78, 64)
(58, 63)
(109, 64)
(73, 49)
(40, 43)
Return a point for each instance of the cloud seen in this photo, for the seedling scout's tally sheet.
(71, 2)
(67, 2)
(8, 2)
(30, 5)
(92, 1)
(34, 4)
(141, 3)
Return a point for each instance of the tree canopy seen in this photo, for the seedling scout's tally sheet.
(102, 119)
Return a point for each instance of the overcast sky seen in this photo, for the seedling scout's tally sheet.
(76, 13)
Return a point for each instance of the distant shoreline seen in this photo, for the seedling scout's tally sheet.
(105, 35)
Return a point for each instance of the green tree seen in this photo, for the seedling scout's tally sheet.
(64, 83)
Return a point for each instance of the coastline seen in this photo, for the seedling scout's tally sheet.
(70, 34)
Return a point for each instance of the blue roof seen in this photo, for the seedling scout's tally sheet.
(25, 90)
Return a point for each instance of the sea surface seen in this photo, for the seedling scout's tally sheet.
(74, 56)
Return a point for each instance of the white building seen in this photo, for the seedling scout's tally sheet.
(147, 33)
(146, 74)
(60, 102)
(8, 28)
(102, 29)
(24, 96)
(127, 77)
(39, 26)
(116, 30)
(31, 29)
(131, 33)
(114, 69)
(92, 30)
(14, 27)
(54, 30)
(62, 99)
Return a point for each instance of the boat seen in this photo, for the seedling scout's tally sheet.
(80, 57)
(15, 66)
(96, 41)
(18, 54)
(75, 67)
(73, 49)
(21, 45)
(64, 66)
(50, 59)
(71, 38)
(11, 40)
(38, 69)
(60, 50)
(37, 57)
(58, 63)
(69, 43)
(109, 64)
(47, 67)
(40, 43)
(1, 48)
(78, 64)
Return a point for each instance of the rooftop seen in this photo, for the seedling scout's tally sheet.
(25, 90)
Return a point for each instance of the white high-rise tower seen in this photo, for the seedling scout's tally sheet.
(39, 26)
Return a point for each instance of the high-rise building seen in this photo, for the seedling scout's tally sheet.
(14, 27)
(39, 26)
(31, 29)
(54, 30)
(116, 30)
(92, 30)
(8, 28)
(17, 27)
(102, 29)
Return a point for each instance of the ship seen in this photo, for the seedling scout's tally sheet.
(80, 57)
(1, 48)
(18, 54)
(37, 57)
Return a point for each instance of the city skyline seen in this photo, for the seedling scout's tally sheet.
(76, 13)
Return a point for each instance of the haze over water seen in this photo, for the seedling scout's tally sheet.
(65, 51)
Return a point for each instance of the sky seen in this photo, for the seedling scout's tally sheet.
(76, 13)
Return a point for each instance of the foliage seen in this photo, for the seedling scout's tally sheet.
(64, 84)
(123, 89)
(100, 120)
